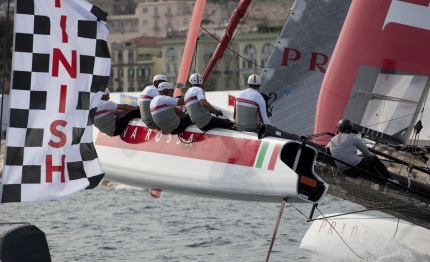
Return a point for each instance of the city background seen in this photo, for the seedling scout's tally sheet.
(147, 37)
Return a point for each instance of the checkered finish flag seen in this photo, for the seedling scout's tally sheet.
(61, 66)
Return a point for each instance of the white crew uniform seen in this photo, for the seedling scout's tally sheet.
(250, 110)
(198, 114)
(163, 113)
(105, 119)
(145, 98)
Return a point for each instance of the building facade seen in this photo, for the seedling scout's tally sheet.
(163, 18)
(135, 62)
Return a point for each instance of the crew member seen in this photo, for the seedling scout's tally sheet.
(112, 118)
(163, 109)
(200, 109)
(344, 147)
(145, 99)
(250, 108)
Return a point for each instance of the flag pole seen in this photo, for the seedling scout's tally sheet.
(4, 65)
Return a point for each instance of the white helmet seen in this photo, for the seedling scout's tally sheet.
(159, 78)
(196, 79)
(254, 80)
(164, 86)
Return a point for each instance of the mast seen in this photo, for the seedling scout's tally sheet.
(238, 13)
(190, 43)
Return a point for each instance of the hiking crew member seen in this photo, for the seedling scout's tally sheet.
(250, 108)
(145, 99)
(112, 118)
(163, 109)
(344, 147)
(200, 109)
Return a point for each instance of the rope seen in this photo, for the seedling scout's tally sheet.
(194, 140)
(339, 235)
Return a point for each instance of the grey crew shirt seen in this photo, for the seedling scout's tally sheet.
(344, 147)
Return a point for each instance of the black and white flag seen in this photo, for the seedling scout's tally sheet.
(60, 68)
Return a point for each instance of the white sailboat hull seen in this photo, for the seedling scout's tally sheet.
(247, 169)
(367, 236)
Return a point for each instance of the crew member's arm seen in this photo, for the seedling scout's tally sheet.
(204, 103)
(126, 107)
(183, 91)
(262, 111)
(362, 147)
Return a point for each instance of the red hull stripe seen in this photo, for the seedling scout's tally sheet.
(274, 157)
(240, 151)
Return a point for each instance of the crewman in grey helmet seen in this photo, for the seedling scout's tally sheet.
(344, 147)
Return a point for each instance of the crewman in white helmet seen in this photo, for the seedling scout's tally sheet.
(200, 109)
(250, 107)
(112, 118)
(145, 98)
(163, 109)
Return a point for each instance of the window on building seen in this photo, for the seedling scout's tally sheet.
(119, 55)
(140, 73)
(130, 57)
(185, 21)
(250, 51)
(145, 24)
(249, 63)
(171, 54)
(267, 49)
(131, 74)
(156, 10)
(145, 10)
(120, 75)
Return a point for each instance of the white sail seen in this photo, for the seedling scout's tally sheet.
(297, 65)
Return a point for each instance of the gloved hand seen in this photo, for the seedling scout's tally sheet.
(218, 113)
(180, 85)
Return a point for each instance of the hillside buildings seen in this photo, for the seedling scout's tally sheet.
(151, 41)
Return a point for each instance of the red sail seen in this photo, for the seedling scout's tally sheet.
(385, 34)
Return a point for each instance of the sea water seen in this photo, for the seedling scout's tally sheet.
(125, 224)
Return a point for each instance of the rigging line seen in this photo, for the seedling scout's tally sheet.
(391, 120)
(274, 210)
(195, 54)
(347, 213)
(194, 140)
(384, 97)
(204, 19)
(339, 234)
(397, 227)
(232, 39)
(234, 52)
(4, 65)
(265, 17)
(298, 211)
